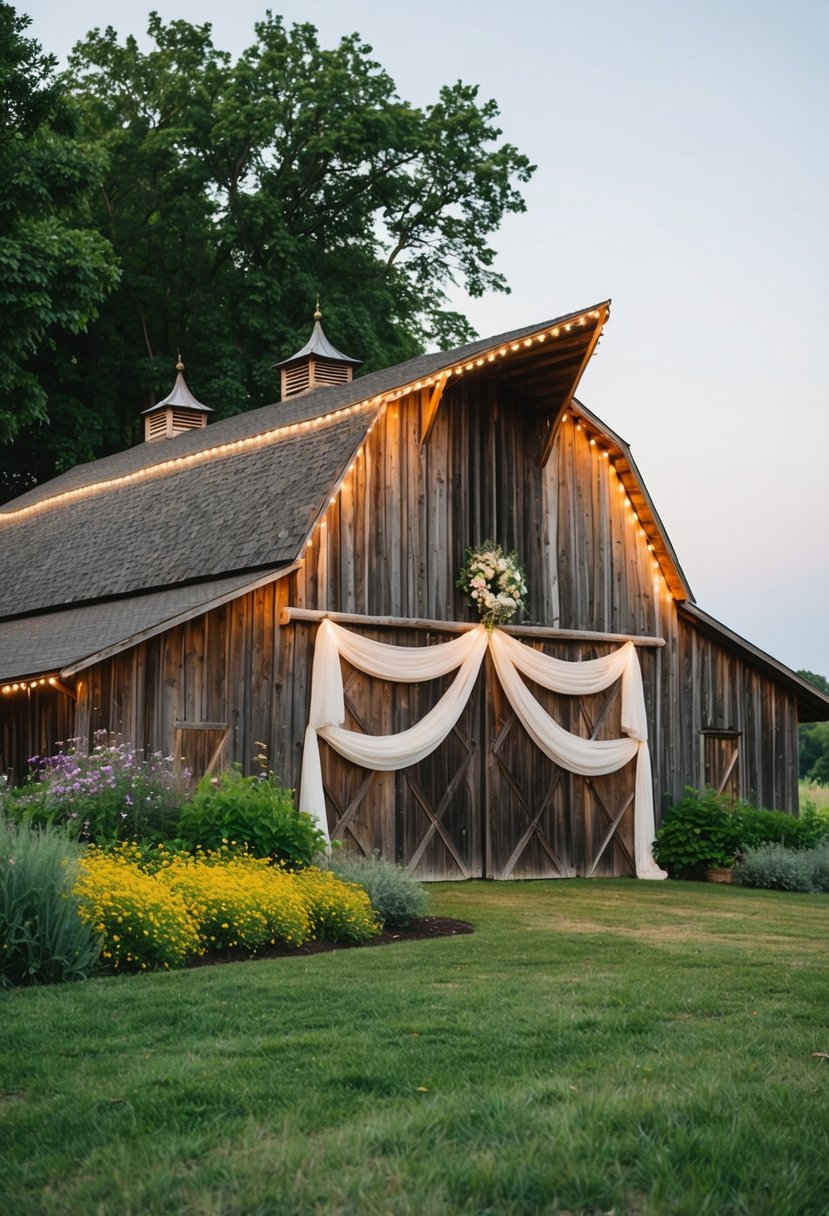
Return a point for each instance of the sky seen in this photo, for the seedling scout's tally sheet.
(682, 173)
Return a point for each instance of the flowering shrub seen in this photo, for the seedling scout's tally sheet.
(238, 901)
(145, 924)
(494, 582)
(111, 793)
(43, 939)
(159, 908)
(339, 911)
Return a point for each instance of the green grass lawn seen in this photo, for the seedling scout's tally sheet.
(594, 1047)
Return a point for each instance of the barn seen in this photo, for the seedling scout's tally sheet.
(193, 593)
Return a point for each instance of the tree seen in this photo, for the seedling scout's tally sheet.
(55, 269)
(814, 739)
(235, 192)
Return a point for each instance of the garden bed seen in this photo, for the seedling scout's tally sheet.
(419, 930)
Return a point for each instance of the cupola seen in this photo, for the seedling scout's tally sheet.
(317, 365)
(177, 413)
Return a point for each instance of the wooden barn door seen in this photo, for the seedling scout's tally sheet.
(427, 817)
(487, 802)
(541, 820)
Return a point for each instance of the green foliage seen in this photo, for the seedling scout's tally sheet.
(699, 832)
(396, 897)
(43, 938)
(111, 793)
(778, 868)
(704, 830)
(755, 826)
(252, 811)
(55, 268)
(232, 192)
(814, 739)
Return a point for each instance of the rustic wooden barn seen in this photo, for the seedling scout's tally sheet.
(172, 593)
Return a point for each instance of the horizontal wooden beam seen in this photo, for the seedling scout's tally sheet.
(314, 615)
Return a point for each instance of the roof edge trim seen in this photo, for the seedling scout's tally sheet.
(804, 691)
(143, 635)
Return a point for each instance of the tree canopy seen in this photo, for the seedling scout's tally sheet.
(229, 195)
(55, 269)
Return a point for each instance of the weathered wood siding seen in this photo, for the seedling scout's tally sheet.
(391, 544)
(33, 723)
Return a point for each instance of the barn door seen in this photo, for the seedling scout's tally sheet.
(541, 820)
(487, 803)
(426, 817)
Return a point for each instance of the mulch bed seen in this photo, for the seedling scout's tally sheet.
(418, 930)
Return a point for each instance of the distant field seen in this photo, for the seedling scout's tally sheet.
(645, 1049)
(818, 794)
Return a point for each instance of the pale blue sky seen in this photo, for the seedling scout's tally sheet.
(682, 171)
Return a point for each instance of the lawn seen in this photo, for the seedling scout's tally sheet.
(595, 1047)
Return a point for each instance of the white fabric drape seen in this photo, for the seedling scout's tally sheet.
(588, 757)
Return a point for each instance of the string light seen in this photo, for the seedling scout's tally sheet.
(27, 686)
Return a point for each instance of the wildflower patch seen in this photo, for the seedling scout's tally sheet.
(159, 909)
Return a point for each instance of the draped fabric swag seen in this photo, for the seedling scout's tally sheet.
(512, 660)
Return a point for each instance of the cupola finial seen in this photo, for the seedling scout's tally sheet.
(178, 412)
(317, 364)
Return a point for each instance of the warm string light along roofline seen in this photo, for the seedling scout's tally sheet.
(177, 463)
(26, 685)
(579, 321)
(598, 440)
(278, 434)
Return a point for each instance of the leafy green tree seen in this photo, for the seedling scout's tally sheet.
(814, 739)
(235, 192)
(55, 269)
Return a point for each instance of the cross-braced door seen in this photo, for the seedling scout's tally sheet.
(541, 820)
(487, 802)
(428, 816)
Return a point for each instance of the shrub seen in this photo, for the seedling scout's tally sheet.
(396, 897)
(338, 911)
(238, 901)
(705, 830)
(820, 871)
(755, 826)
(699, 832)
(44, 938)
(251, 811)
(112, 793)
(778, 868)
(145, 924)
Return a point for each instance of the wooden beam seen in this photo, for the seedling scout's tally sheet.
(609, 835)
(432, 409)
(568, 397)
(315, 615)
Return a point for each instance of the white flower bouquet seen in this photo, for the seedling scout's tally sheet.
(494, 582)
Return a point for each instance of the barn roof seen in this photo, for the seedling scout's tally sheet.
(125, 547)
(243, 494)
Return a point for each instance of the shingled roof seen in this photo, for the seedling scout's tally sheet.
(240, 495)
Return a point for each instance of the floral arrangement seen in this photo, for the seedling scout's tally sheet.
(494, 582)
